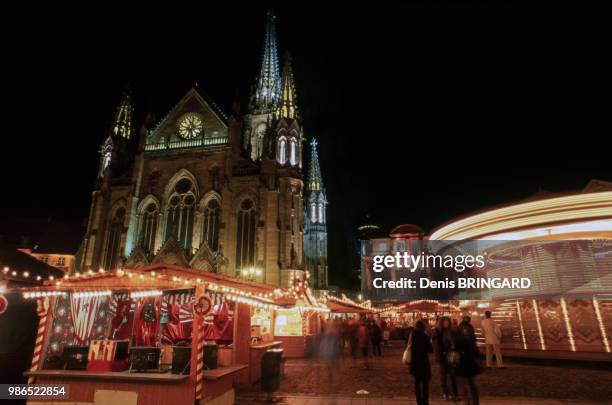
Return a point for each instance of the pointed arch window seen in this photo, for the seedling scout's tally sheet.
(321, 213)
(282, 150)
(260, 132)
(181, 207)
(210, 224)
(293, 152)
(148, 227)
(245, 235)
(113, 239)
(313, 212)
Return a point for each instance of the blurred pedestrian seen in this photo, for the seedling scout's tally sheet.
(363, 341)
(386, 332)
(419, 365)
(376, 339)
(492, 334)
(465, 344)
(329, 351)
(444, 342)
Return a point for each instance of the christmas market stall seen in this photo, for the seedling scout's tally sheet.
(344, 307)
(401, 317)
(298, 323)
(160, 334)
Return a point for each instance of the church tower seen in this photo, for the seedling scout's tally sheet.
(315, 223)
(107, 225)
(265, 94)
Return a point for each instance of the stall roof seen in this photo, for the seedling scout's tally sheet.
(338, 305)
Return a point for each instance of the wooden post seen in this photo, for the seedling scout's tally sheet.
(43, 308)
(197, 348)
(242, 340)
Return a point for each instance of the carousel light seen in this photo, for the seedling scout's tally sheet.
(568, 325)
(14, 273)
(51, 278)
(602, 329)
(5, 270)
(26, 274)
(38, 278)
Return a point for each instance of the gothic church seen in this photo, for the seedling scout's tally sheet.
(215, 193)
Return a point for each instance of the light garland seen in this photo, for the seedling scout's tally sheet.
(265, 300)
(145, 294)
(85, 294)
(43, 294)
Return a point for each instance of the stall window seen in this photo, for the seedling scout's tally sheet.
(288, 323)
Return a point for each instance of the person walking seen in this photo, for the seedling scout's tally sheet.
(363, 341)
(444, 342)
(330, 351)
(465, 344)
(376, 339)
(353, 328)
(419, 365)
(492, 334)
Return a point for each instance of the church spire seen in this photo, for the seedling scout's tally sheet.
(288, 100)
(267, 91)
(315, 180)
(122, 124)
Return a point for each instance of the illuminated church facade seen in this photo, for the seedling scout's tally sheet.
(202, 190)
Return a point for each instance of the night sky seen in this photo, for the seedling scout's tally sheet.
(422, 113)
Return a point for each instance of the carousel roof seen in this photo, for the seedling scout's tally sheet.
(406, 230)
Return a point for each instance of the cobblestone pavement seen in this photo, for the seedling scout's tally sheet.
(387, 380)
(332, 400)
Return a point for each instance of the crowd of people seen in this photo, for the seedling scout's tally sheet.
(452, 343)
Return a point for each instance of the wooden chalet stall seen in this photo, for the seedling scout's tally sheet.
(298, 323)
(162, 310)
(346, 308)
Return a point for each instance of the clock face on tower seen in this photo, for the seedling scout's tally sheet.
(190, 126)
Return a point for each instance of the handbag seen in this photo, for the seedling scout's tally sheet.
(407, 356)
(453, 358)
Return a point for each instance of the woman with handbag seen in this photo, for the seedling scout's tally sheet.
(444, 342)
(469, 367)
(417, 355)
